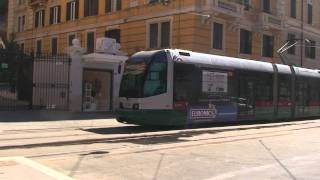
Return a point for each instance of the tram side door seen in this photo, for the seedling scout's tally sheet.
(246, 97)
(301, 98)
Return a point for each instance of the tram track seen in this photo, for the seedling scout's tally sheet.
(148, 138)
(194, 143)
(135, 150)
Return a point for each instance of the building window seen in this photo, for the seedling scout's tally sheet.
(291, 38)
(21, 2)
(309, 13)
(21, 23)
(245, 41)
(40, 17)
(55, 13)
(38, 47)
(90, 42)
(159, 35)
(113, 5)
(54, 46)
(114, 34)
(70, 38)
(22, 47)
(266, 6)
(310, 49)
(72, 10)
(246, 4)
(267, 46)
(91, 7)
(217, 36)
(293, 8)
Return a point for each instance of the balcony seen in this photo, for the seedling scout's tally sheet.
(37, 3)
(227, 8)
(272, 22)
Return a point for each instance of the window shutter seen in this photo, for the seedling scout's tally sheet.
(23, 22)
(90, 42)
(59, 14)
(43, 17)
(77, 10)
(217, 36)
(86, 7)
(36, 20)
(51, 15)
(153, 39)
(119, 5)
(165, 34)
(95, 7)
(68, 11)
(54, 46)
(108, 6)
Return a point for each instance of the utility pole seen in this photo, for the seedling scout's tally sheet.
(302, 41)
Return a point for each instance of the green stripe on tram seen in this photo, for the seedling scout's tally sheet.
(264, 113)
(155, 117)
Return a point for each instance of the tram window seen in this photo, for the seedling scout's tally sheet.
(156, 80)
(299, 91)
(314, 93)
(263, 87)
(255, 87)
(186, 82)
(284, 87)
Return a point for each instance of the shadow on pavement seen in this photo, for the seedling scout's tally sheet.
(33, 116)
(130, 129)
(173, 137)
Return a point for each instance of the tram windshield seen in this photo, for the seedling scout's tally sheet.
(144, 76)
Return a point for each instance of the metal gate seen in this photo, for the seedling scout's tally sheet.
(29, 82)
(51, 82)
(15, 81)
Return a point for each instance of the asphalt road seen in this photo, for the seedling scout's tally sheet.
(105, 149)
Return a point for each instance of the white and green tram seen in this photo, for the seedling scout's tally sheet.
(178, 87)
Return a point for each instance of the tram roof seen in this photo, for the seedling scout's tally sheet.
(238, 63)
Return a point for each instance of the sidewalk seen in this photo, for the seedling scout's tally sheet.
(16, 168)
(30, 116)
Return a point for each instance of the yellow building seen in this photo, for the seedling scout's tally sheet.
(252, 29)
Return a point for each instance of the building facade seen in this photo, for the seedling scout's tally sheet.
(3, 18)
(251, 29)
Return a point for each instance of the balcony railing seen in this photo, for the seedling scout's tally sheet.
(37, 2)
(228, 8)
(269, 21)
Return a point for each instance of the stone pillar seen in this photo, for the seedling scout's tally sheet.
(76, 69)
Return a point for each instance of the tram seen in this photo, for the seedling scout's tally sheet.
(173, 87)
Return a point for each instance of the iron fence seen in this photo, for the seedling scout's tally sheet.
(34, 82)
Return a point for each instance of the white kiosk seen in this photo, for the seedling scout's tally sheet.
(95, 78)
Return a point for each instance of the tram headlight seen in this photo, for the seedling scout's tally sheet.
(135, 106)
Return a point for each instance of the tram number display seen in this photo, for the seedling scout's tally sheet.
(214, 82)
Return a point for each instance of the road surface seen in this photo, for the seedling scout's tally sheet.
(106, 149)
